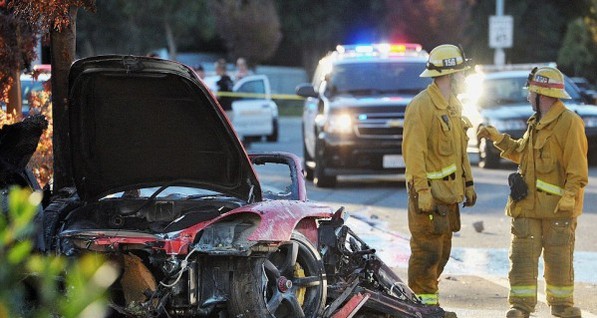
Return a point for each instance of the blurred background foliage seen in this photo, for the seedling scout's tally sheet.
(37, 285)
(299, 32)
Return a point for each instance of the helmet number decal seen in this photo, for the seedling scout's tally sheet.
(541, 79)
(450, 62)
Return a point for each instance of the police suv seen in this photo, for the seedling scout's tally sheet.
(354, 110)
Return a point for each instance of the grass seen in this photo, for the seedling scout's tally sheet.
(293, 108)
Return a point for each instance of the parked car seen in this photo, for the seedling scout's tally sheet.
(354, 110)
(30, 84)
(164, 188)
(254, 112)
(498, 98)
(587, 90)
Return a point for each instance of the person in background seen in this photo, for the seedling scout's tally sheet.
(200, 71)
(438, 171)
(224, 84)
(553, 170)
(242, 69)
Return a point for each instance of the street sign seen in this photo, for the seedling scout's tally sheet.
(501, 29)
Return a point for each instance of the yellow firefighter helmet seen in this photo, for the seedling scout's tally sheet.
(445, 59)
(548, 81)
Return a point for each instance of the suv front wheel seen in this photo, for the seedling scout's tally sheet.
(488, 159)
(306, 160)
(320, 178)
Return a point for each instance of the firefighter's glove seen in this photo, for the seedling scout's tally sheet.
(489, 132)
(470, 196)
(425, 201)
(566, 203)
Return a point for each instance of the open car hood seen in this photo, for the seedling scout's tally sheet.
(139, 122)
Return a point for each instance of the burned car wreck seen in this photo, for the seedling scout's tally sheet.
(164, 188)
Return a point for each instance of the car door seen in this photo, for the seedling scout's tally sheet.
(254, 111)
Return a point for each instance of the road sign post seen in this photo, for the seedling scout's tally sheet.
(501, 30)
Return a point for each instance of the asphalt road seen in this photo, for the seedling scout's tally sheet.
(474, 283)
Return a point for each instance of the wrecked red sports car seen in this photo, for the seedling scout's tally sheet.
(164, 187)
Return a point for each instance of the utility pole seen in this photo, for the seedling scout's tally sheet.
(500, 33)
(499, 58)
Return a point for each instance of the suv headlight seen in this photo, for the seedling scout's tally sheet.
(509, 124)
(339, 124)
(590, 121)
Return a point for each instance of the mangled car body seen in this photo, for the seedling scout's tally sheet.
(163, 187)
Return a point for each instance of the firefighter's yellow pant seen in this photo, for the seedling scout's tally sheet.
(530, 237)
(430, 243)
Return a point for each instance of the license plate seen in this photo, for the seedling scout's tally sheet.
(393, 161)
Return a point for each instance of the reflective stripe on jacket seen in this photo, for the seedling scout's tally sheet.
(552, 156)
(429, 299)
(434, 145)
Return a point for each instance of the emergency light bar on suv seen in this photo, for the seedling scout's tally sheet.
(381, 49)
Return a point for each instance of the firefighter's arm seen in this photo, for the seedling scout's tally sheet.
(491, 133)
(574, 160)
(469, 190)
(503, 142)
(414, 146)
(510, 148)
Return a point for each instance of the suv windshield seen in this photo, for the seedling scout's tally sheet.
(377, 78)
(510, 91)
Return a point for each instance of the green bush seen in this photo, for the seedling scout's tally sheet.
(37, 285)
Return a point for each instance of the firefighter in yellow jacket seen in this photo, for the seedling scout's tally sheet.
(552, 158)
(438, 171)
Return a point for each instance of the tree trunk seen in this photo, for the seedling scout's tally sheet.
(15, 98)
(63, 54)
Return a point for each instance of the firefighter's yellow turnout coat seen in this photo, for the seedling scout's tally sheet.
(434, 150)
(552, 157)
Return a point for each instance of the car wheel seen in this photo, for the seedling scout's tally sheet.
(320, 179)
(306, 159)
(487, 157)
(592, 157)
(287, 283)
(275, 131)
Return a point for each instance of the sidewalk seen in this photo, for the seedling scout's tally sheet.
(462, 289)
(474, 297)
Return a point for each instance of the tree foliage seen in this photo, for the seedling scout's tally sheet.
(35, 285)
(250, 29)
(139, 26)
(17, 40)
(312, 28)
(575, 54)
(429, 22)
(48, 14)
(59, 18)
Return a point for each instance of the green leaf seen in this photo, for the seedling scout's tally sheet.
(19, 252)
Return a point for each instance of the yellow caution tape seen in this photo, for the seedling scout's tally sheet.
(258, 95)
